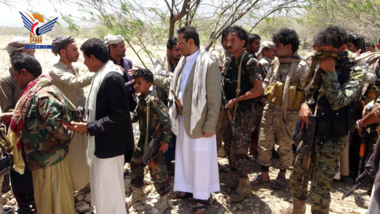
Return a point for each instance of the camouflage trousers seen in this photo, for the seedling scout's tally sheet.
(272, 127)
(157, 169)
(236, 144)
(220, 128)
(324, 167)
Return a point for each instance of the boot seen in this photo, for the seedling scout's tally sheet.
(162, 204)
(232, 181)
(242, 190)
(299, 207)
(136, 195)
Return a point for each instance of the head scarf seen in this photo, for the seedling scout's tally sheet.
(113, 39)
(17, 44)
(60, 42)
(265, 44)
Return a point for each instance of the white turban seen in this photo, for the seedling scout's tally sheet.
(17, 44)
(265, 44)
(113, 39)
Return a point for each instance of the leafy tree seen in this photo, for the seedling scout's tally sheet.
(149, 23)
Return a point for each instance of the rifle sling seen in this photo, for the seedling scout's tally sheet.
(238, 84)
(157, 128)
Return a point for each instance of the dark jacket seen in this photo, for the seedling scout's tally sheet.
(113, 127)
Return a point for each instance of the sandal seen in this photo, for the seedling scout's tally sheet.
(182, 195)
(257, 180)
(200, 207)
(279, 183)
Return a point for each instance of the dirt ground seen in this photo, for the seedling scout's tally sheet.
(263, 200)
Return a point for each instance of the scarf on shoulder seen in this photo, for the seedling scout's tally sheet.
(22, 107)
(198, 95)
(277, 70)
(91, 103)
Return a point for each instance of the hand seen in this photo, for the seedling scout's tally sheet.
(230, 104)
(207, 135)
(76, 126)
(6, 117)
(357, 54)
(164, 147)
(328, 64)
(133, 70)
(304, 114)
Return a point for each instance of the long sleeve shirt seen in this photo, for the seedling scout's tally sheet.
(10, 92)
(44, 138)
(158, 114)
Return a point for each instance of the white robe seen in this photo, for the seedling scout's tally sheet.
(196, 163)
(108, 192)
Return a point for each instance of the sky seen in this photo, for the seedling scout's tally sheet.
(10, 16)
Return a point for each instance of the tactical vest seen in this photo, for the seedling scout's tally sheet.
(230, 80)
(335, 123)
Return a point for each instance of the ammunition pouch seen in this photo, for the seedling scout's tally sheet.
(334, 123)
(273, 94)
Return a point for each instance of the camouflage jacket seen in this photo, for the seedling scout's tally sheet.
(298, 75)
(158, 114)
(251, 71)
(45, 139)
(340, 94)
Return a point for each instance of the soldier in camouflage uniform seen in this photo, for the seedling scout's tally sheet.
(280, 115)
(44, 140)
(158, 115)
(237, 137)
(335, 92)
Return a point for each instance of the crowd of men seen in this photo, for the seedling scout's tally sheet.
(245, 99)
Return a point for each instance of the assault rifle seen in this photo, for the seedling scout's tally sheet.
(150, 152)
(230, 121)
(367, 176)
(308, 137)
(363, 141)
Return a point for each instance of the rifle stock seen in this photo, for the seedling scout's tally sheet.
(227, 110)
(308, 140)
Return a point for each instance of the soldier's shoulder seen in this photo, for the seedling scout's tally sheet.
(303, 65)
(157, 103)
(252, 60)
(50, 91)
(7, 75)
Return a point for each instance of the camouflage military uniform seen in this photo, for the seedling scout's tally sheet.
(158, 114)
(220, 57)
(44, 138)
(274, 126)
(266, 64)
(327, 150)
(237, 143)
(45, 144)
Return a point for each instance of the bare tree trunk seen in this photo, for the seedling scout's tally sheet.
(175, 18)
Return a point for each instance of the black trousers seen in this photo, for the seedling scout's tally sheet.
(22, 186)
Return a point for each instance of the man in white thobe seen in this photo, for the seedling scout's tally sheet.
(196, 82)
